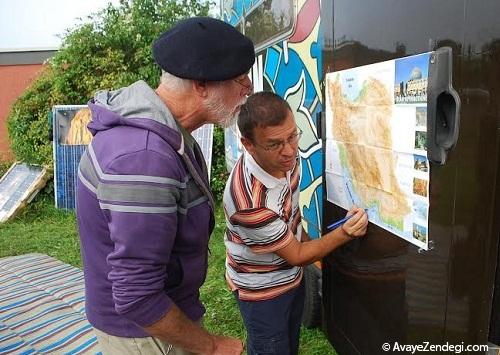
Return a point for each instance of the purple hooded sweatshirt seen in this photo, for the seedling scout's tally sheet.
(145, 213)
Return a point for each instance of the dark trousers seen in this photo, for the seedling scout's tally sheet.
(273, 326)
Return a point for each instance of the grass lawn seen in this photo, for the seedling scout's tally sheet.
(44, 229)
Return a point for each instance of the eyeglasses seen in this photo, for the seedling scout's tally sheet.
(241, 81)
(278, 146)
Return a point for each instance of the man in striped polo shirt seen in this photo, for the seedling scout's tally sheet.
(266, 245)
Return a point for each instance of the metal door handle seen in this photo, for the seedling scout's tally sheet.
(443, 107)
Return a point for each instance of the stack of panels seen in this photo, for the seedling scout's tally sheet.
(66, 156)
(65, 175)
(42, 307)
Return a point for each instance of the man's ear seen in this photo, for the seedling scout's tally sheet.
(200, 88)
(247, 143)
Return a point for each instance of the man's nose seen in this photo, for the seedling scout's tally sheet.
(248, 84)
(289, 149)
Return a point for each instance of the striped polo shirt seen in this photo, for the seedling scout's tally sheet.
(262, 216)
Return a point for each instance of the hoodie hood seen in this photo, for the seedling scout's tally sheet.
(136, 105)
(139, 106)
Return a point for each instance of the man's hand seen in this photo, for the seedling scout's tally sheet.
(176, 329)
(357, 224)
(227, 346)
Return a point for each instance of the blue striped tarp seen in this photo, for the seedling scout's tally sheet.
(42, 307)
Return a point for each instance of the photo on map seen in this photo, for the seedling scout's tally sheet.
(420, 140)
(420, 187)
(420, 209)
(420, 163)
(421, 116)
(410, 84)
(420, 233)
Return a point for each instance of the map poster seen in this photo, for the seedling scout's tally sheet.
(376, 132)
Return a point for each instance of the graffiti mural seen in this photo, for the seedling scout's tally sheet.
(292, 69)
(233, 10)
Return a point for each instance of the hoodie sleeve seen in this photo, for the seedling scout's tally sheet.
(139, 197)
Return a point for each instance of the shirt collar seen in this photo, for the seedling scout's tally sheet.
(260, 174)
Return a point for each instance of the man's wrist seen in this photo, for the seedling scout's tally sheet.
(346, 233)
(213, 344)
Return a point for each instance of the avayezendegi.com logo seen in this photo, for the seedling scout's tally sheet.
(426, 346)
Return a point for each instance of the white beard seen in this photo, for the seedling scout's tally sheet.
(217, 109)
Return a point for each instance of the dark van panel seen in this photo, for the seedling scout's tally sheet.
(382, 289)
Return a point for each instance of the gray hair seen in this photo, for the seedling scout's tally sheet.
(173, 82)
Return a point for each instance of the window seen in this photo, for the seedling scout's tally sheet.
(269, 22)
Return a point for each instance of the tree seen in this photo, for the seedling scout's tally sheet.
(110, 50)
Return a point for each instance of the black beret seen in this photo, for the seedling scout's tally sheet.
(204, 48)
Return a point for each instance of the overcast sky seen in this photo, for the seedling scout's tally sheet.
(27, 24)
(35, 24)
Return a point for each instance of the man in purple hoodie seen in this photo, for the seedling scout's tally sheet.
(144, 206)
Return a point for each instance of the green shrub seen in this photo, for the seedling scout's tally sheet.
(111, 49)
(4, 166)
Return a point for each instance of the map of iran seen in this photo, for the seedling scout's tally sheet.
(374, 151)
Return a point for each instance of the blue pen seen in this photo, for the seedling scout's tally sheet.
(340, 222)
